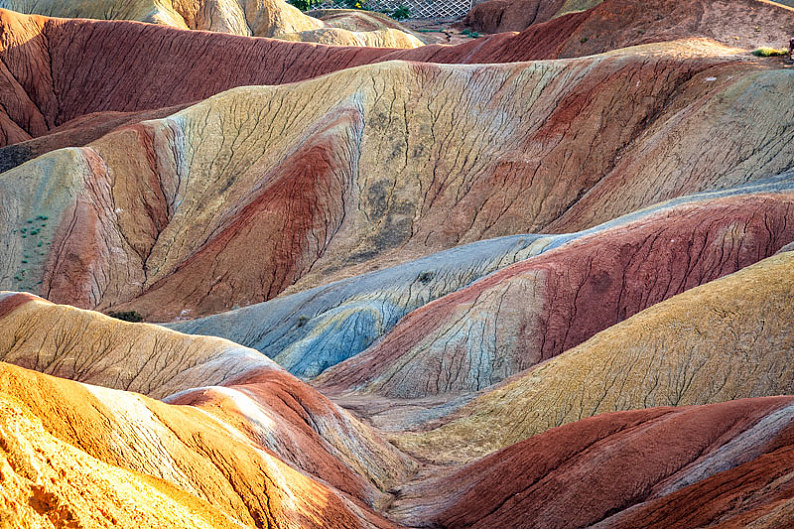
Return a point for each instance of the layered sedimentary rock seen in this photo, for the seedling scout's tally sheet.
(310, 331)
(728, 339)
(496, 16)
(134, 220)
(58, 459)
(544, 305)
(48, 84)
(260, 18)
(65, 443)
(645, 468)
(237, 386)
(507, 281)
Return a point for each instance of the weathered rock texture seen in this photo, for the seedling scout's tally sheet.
(536, 309)
(646, 468)
(497, 16)
(158, 216)
(48, 83)
(310, 331)
(731, 338)
(509, 268)
(156, 463)
(745, 23)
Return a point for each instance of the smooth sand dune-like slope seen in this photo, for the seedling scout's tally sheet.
(202, 462)
(239, 386)
(534, 310)
(71, 454)
(157, 217)
(259, 18)
(62, 440)
(728, 339)
(644, 468)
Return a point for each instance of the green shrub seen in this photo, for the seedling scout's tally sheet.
(470, 33)
(129, 315)
(352, 4)
(401, 13)
(305, 5)
(770, 52)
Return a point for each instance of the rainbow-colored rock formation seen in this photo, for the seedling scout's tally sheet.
(538, 279)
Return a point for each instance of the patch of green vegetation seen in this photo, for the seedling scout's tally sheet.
(352, 4)
(583, 40)
(470, 33)
(305, 5)
(31, 228)
(766, 51)
(129, 315)
(401, 13)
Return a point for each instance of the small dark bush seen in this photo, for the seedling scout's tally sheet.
(305, 5)
(129, 315)
(425, 277)
(352, 4)
(401, 13)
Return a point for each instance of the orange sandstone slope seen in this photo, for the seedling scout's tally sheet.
(82, 454)
(235, 387)
(79, 455)
(158, 217)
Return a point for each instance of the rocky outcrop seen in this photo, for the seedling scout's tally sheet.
(595, 24)
(531, 271)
